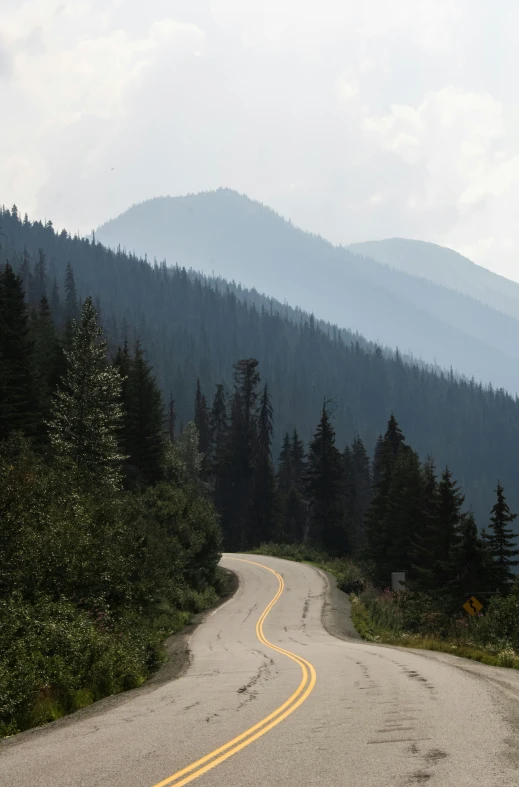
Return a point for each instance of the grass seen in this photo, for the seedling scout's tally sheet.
(379, 630)
(371, 632)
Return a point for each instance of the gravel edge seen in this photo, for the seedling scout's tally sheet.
(336, 612)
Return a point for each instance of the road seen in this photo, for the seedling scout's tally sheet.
(272, 698)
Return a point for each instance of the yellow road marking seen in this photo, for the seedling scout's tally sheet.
(235, 745)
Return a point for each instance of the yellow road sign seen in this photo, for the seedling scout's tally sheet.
(473, 606)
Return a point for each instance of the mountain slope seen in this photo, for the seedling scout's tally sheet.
(445, 267)
(232, 236)
(189, 330)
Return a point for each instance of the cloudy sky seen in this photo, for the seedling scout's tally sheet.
(356, 120)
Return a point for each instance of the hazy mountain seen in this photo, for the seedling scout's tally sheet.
(446, 267)
(196, 329)
(228, 234)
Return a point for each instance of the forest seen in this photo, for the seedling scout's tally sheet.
(195, 329)
(115, 502)
(109, 541)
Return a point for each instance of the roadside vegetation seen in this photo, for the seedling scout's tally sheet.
(416, 620)
(113, 515)
(109, 541)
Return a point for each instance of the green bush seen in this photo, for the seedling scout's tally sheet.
(91, 586)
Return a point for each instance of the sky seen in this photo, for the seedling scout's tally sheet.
(358, 121)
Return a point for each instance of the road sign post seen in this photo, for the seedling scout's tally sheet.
(398, 580)
(473, 606)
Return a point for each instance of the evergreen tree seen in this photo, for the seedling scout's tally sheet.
(26, 275)
(55, 304)
(359, 493)
(218, 430)
(324, 489)
(469, 562)
(290, 486)
(378, 456)
(202, 420)
(450, 517)
(183, 459)
(71, 299)
(298, 461)
(17, 386)
(285, 474)
(264, 509)
(378, 540)
(393, 439)
(86, 413)
(426, 548)
(404, 513)
(502, 542)
(39, 280)
(49, 365)
(236, 472)
(172, 418)
(143, 438)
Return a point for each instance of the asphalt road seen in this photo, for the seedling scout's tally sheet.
(272, 698)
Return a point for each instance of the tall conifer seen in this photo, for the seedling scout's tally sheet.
(86, 413)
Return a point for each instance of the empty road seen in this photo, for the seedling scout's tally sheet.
(272, 698)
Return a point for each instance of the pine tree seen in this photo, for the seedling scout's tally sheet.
(502, 542)
(290, 487)
(218, 428)
(450, 516)
(39, 280)
(26, 275)
(202, 420)
(298, 461)
(394, 437)
(378, 540)
(377, 467)
(143, 437)
(360, 494)
(17, 385)
(71, 300)
(172, 418)
(469, 562)
(55, 305)
(324, 489)
(236, 472)
(49, 365)
(285, 474)
(426, 549)
(86, 413)
(264, 507)
(404, 513)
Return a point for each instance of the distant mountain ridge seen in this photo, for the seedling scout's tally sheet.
(446, 267)
(194, 330)
(227, 234)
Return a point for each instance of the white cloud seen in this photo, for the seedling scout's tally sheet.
(357, 120)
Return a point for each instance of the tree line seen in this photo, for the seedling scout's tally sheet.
(393, 512)
(193, 328)
(108, 505)
(108, 537)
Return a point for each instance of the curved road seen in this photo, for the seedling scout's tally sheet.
(272, 698)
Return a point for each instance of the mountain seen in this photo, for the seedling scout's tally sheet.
(445, 267)
(192, 329)
(228, 234)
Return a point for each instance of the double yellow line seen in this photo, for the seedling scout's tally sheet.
(235, 745)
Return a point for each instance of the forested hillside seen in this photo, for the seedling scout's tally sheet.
(445, 267)
(190, 331)
(228, 234)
